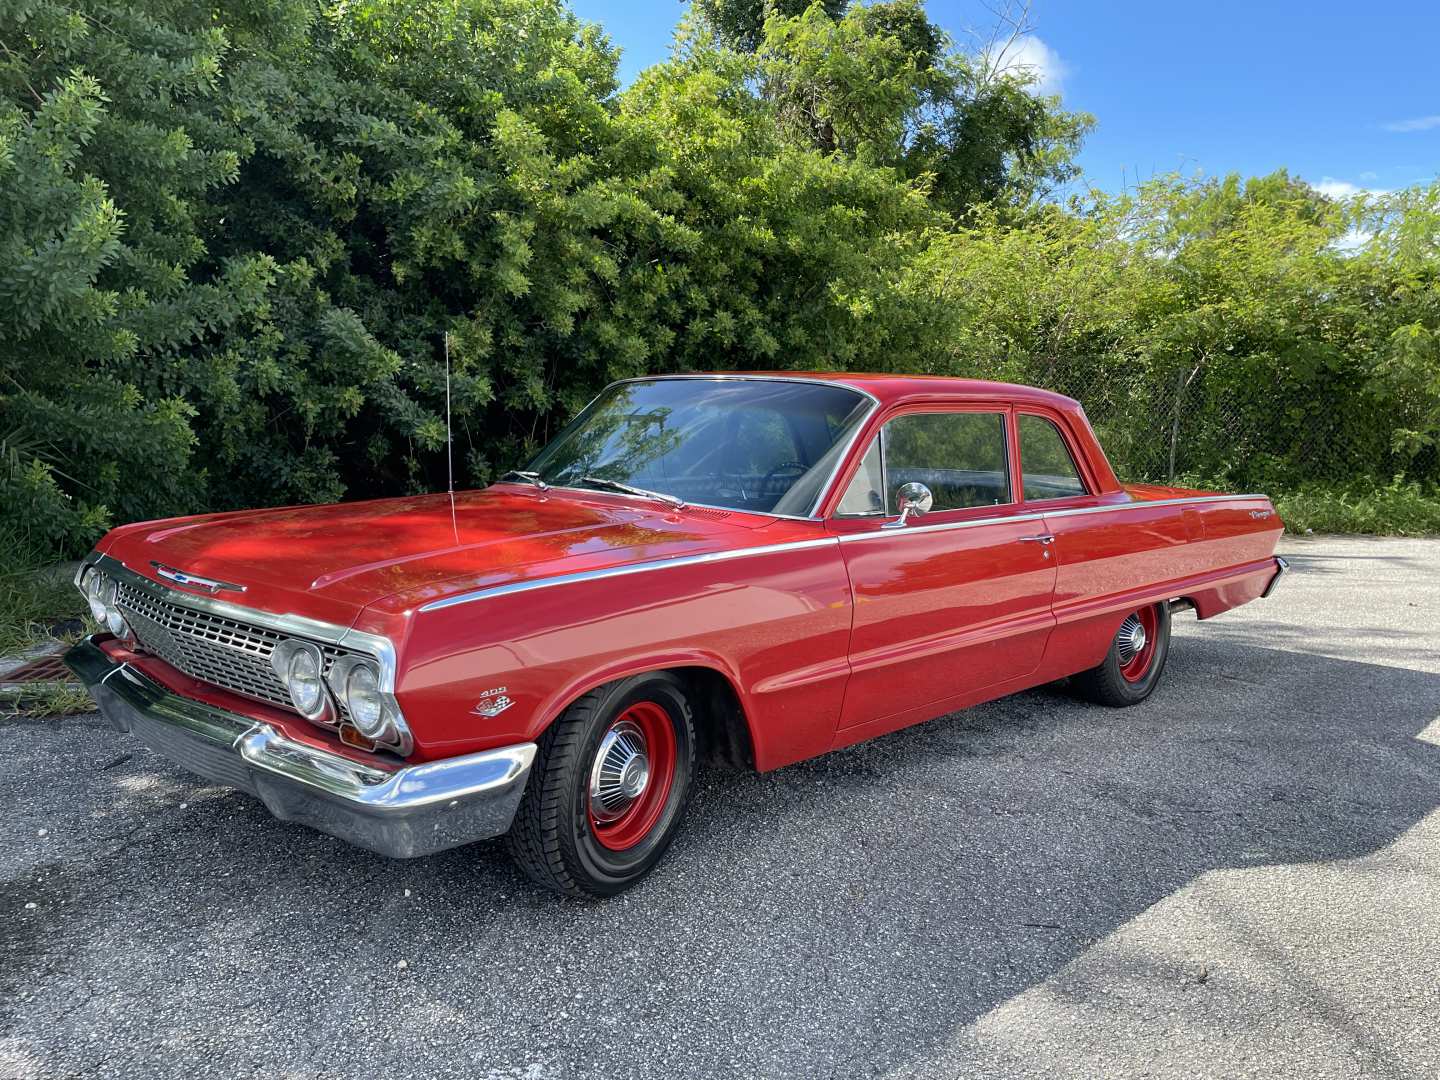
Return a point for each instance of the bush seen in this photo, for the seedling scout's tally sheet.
(1395, 509)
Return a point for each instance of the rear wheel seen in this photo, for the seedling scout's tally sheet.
(609, 783)
(1132, 668)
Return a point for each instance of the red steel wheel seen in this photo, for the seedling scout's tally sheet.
(1134, 663)
(1135, 644)
(608, 787)
(630, 778)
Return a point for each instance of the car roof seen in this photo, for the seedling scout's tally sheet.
(891, 388)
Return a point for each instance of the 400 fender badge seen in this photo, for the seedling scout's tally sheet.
(492, 703)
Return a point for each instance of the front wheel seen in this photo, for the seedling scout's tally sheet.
(1136, 659)
(609, 783)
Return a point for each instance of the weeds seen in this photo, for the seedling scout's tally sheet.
(1399, 508)
(38, 606)
(35, 599)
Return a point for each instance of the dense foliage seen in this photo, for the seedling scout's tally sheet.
(235, 238)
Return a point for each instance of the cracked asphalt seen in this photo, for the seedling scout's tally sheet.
(1239, 877)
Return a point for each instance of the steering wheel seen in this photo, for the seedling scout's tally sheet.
(782, 467)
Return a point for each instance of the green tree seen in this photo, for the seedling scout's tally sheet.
(740, 24)
(885, 84)
(108, 149)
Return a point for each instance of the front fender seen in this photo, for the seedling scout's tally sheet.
(778, 632)
(556, 703)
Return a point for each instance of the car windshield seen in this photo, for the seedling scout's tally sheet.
(760, 445)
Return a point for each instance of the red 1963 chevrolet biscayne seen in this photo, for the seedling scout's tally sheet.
(754, 568)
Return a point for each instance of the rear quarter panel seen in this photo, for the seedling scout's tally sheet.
(1216, 554)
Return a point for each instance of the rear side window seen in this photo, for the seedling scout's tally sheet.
(960, 457)
(1047, 469)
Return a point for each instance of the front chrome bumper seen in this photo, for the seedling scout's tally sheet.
(401, 812)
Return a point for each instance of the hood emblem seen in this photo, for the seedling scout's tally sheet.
(193, 581)
(492, 703)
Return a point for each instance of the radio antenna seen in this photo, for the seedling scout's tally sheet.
(450, 445)
(449, 436)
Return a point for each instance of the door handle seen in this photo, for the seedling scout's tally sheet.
(1044, 538)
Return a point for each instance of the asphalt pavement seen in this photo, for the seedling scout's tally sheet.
(1239, 877)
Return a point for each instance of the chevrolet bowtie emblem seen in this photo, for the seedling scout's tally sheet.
(194, 581)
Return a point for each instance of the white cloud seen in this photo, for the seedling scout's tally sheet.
(1344, 189)
(1368, 175)
(1336, 189)
(1419, 123)
(1031, 54)
(1353, 241)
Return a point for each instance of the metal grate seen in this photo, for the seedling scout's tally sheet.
(707, 511)
(47, 668)
(227, 653)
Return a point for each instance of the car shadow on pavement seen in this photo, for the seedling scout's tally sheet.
(844, 916)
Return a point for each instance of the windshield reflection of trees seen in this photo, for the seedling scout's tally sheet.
(738, 447)
(618, 442)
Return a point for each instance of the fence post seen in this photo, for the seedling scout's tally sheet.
(1175, 418)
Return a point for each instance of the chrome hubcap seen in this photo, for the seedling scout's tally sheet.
(621, 771)
(1131, 640)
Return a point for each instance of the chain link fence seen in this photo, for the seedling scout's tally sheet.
(1218, 428)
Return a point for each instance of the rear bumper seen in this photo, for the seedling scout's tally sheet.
(1281, 569)
(401, 812)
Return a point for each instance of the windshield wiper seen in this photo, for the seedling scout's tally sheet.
(528, 477)
(628, 489)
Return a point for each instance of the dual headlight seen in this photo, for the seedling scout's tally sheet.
(100, 593)
(352, 681)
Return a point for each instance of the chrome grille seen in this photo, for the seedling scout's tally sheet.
(227, 653)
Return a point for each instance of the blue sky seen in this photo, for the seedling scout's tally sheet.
(1345, 95)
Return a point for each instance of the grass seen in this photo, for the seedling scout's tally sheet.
(35, 598)
(44, 700)
(1399, 508)
(39, 606)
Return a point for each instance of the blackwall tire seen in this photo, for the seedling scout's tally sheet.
(588, 824)
(1129, 674)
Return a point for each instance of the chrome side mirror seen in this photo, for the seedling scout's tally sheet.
(914, 500)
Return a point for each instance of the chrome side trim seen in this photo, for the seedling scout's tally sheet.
(1034, 515)
(400, 812)
(946, 526)
(847, 538)
(621, 571)
(1136, 504)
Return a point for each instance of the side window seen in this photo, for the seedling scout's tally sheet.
(960, 457)
(1047, 469)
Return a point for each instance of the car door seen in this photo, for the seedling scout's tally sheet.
(956, 600)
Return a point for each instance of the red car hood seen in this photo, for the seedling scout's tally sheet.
(329, 562)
